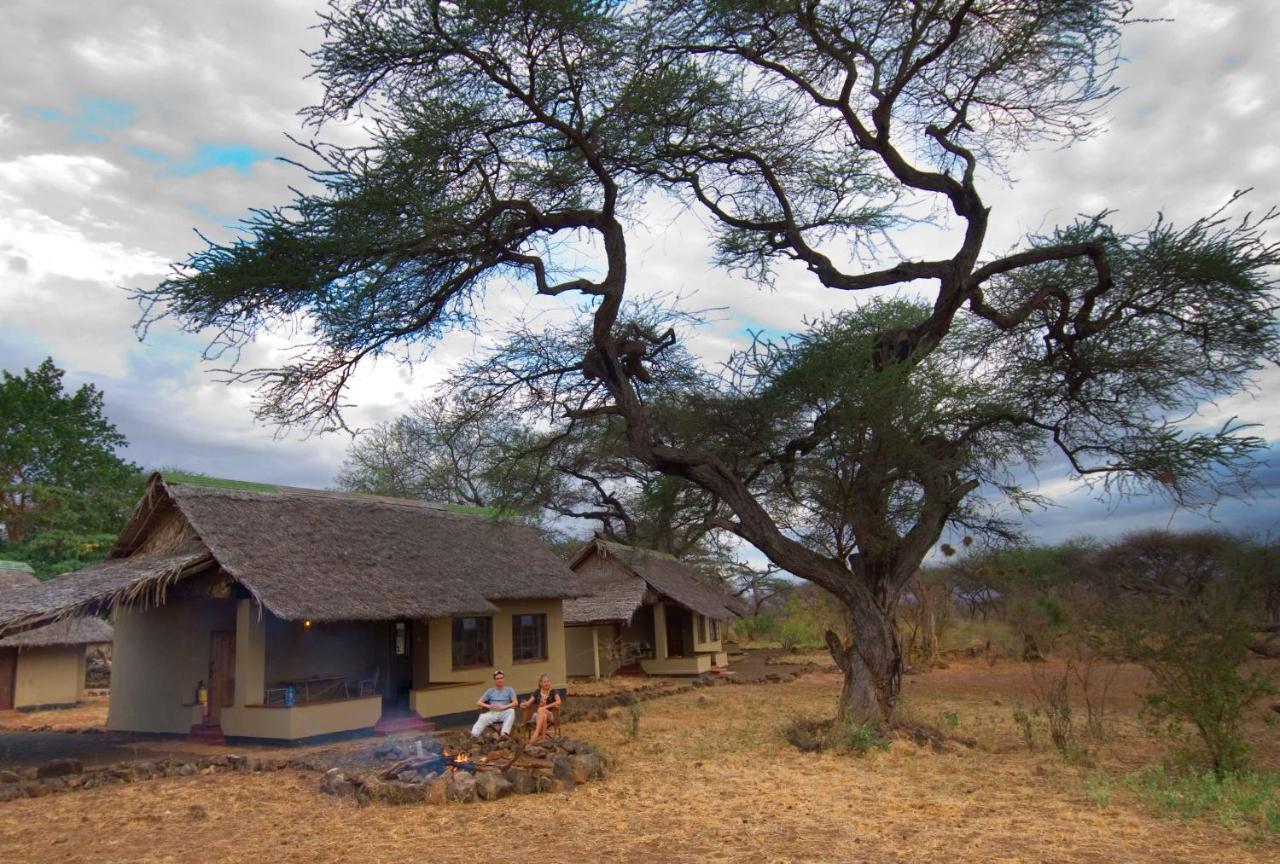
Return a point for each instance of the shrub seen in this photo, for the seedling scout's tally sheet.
(1242, 800)
(860, 738)
(808, 736)
(630, 719)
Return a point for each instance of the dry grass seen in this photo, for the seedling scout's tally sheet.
(90, 714)
(709, 780)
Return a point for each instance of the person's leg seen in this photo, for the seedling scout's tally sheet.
(540, 728)
(508, 720)
(483, 722)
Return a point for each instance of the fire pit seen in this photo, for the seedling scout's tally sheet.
(461, 769)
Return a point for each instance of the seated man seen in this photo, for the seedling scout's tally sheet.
(497, 704)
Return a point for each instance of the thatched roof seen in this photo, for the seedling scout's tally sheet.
(619, 591)
(308, 554)
(15, 574)
(141, 579)
(70, 631)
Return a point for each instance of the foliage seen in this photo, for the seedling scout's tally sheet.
(1176, 606)
(1248, 800)
(63, 490)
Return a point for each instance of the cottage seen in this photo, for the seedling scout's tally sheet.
(43, 667)
(646, 609)
(260, 612)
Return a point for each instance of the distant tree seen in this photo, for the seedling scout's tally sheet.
(65, 490)
(508, 135)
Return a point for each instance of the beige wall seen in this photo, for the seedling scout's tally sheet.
(49, 676)
(694, 665)
(587, 650)
(159, 655)
(432, 701)
(302, 721)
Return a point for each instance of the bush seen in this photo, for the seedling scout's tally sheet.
(807, 736)
(630, 719)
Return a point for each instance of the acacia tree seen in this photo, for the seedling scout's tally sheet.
(506, 135)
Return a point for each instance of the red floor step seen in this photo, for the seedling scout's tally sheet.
(207, 733)
(401, 724)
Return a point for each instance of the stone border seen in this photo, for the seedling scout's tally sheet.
(67, 775)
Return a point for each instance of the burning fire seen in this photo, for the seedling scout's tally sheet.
(457, 759)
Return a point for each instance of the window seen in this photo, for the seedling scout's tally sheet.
(702, 628)
(715, 630)
(528, 637)
(402, 638)
(472, 642)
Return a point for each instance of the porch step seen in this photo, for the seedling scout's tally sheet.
(632, 670)
(403, 724)
(206, 733)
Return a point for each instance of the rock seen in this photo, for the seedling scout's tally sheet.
(587, 766)
(11, 791)
(429, 745)
(334, 782)
(186, 770)
(396, 792)
(144, 770)
(462, 787)
(55, 784)
(562, 770)
(197, 811)
(522, 781)
(490, 785)
(543, 782)
(9, 777)
(1275, 706)
(121, 774)
(34, 789)
(437, 790)
(703, 700)
(237, 763)
(59, 768)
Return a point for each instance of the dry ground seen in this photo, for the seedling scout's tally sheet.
(709, 780)
(90, 714)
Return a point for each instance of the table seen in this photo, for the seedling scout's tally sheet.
(317, 688)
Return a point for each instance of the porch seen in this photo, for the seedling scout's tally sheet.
(662, 638)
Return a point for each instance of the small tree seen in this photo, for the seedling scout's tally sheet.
(1175, 605)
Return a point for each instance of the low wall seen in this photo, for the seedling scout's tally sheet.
(695, 665)
(301, 721)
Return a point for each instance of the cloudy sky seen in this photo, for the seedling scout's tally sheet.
(124, 126)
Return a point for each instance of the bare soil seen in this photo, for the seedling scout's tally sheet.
(709, 779)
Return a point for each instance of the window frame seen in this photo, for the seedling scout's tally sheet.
(483, 632)
(540, 624)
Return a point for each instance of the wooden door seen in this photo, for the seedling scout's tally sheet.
(222, 673)
(8, 676)
(675, 632)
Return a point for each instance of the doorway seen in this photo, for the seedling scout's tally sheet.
(222, 673)
(678, 622)
(8, 677)
(400, 681)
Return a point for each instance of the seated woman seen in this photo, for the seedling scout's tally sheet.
(544, 699)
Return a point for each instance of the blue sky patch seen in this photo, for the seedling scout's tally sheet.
(209, 157)
(92, 118)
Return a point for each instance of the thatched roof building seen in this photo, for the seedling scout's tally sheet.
(18, 588)
(617, 592)
(304, 554)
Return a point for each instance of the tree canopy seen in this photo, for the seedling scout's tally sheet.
(507, 137)
(66, 491)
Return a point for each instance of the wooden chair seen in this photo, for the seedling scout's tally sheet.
(526, 712)
(365, 686)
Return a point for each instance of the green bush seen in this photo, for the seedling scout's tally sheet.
(1242, 800)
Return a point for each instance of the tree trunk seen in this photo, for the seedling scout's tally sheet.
(872, 666)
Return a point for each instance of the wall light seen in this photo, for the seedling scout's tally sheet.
(306, 623)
